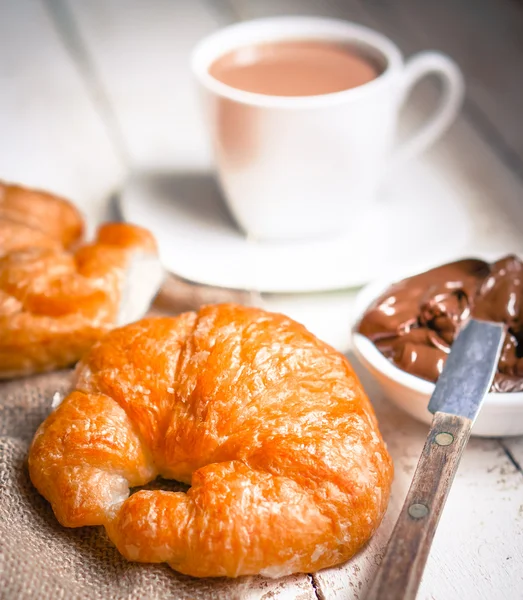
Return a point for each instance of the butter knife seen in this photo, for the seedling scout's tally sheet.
(455, 403)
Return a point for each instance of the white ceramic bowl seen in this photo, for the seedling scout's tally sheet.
(501, 414)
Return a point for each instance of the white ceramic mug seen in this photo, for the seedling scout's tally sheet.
(295, 167)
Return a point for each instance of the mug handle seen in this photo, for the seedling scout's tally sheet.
(417, 67)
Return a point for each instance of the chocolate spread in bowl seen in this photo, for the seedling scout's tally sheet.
(414, 322)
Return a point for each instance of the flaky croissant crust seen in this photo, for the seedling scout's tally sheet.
(269, 426)
(57, 298)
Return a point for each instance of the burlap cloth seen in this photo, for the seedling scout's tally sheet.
(40, 559)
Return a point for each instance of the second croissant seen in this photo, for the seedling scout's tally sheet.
(57, 297)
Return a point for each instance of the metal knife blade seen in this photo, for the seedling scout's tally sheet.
(469, 370)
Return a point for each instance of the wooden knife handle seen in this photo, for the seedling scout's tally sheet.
(401, 569)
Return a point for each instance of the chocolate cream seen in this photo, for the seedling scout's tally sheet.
(416, 320)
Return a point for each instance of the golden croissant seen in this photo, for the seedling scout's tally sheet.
(269, 426)
(57, 299)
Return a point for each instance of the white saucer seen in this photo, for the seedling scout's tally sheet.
(408, 229)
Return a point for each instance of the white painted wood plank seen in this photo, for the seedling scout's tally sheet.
(329, 316)
(350, 10)
(141, 52)
(478, 548)
(515, 447)
(51, 135)
(486, 40)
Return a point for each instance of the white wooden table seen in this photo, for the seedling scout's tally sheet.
(91, 90)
